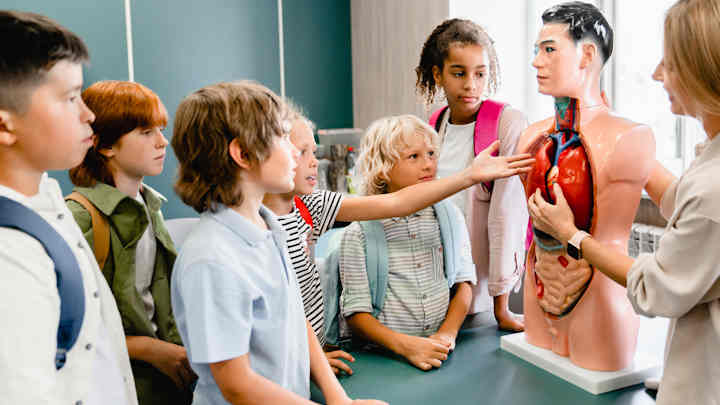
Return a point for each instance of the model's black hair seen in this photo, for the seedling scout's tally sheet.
(584, 22)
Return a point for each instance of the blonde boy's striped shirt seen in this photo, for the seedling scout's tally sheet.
(417, 296)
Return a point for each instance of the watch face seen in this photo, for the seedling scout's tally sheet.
(573, 252)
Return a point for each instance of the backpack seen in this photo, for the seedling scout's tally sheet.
(376, 265)
(486, 126)
(100, 226)
(67, 270)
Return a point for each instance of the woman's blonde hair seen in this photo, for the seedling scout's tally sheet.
(692, 34)
(382, 145)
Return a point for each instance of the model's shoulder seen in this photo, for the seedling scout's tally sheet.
(623, 124)
(540, 126)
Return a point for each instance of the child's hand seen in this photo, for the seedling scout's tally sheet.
(444, 337)
(488, 168)
(508, 321)
(424, 353)
(338, 365)
(172, 360)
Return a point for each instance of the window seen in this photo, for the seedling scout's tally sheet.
(638, 48)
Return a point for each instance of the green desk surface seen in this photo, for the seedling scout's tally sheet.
(477, 372)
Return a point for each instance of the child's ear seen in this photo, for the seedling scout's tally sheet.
(237, 155)
(7, 136)
(107, 152)
(437, 75)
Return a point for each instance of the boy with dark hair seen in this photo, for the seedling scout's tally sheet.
(44, 125)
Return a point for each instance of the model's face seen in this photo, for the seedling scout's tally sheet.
(417, 163)
(54, 132)
(464, 78)
(557, 60)
(139, 153)
(679, 102)
(302, 138)
(277, 172)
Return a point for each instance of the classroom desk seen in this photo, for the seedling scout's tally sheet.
(477, 372)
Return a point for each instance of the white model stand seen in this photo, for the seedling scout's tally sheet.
(647, 362)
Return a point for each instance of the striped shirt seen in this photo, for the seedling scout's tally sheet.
(417, 296)
(323, 206)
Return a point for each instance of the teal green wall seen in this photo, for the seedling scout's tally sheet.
(182, 45)
(318, 60)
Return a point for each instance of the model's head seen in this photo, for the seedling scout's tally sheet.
(438, 54)
(397, 152)
(218, 130)
(571, 49)
(129, 118)
(690, 70)
(584, 23)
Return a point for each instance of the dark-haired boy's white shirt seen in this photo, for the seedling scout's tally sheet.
(97, 369)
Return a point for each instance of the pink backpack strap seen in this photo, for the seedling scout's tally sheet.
(486, 124)
(435, 118)
(486, 128)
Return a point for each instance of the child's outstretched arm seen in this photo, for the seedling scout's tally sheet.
(413, 198)
(457, 311)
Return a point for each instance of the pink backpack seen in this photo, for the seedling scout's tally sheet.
(486, 132)
(486, 126)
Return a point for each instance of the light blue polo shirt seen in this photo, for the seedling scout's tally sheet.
(234, 292)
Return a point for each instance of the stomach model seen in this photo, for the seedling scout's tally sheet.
(561, 158)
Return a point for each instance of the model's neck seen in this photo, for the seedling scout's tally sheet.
(280, 204)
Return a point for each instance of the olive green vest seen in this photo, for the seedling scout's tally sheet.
(127, 221)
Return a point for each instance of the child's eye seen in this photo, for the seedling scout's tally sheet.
(481, 74)
(549, 49)
(431, 153)
(459, 74)
(413, 156)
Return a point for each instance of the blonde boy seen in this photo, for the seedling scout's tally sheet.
(427, 295)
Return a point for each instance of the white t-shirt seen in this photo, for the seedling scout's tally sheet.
(145, 265)
(458, 145)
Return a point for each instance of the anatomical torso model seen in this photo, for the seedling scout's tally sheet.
(601, 162)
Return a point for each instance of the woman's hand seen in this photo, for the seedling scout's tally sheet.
(486, 167)
(556, 220)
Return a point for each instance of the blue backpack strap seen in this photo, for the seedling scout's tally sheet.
(332, 288)
(69, 278)
(448, 229)
(376, 262)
